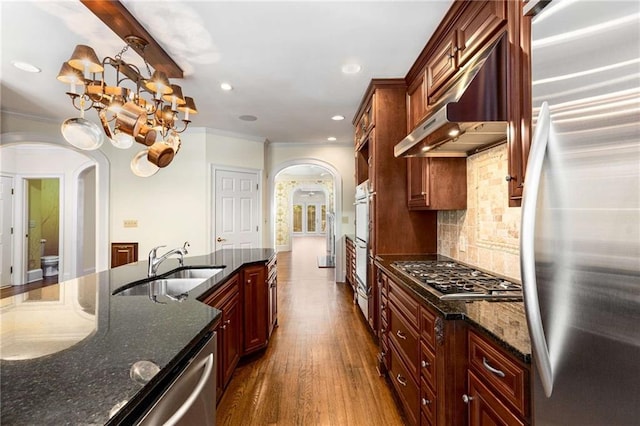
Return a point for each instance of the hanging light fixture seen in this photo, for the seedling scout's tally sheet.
(136, 109)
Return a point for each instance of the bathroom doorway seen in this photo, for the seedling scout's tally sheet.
(43, 229)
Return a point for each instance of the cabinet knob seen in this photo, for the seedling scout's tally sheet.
(425, 401)
(424, 364)
(466, 398)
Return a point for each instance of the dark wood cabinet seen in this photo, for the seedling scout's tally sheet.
(123, 253)
(485, 409)
(428, 351)
(256, 300)
(441, 66)
(437, 183)
(498, 385)
(248, 302)
(467, 28)
(229, 330)
(416, 101)
(480, 20)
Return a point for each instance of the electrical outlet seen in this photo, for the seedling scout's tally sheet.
(462, 243)
(345, 219)
(130, 223)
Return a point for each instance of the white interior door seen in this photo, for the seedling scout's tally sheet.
(236, 209)
(6, 226)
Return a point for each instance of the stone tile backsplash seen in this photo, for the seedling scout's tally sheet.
(485, 235)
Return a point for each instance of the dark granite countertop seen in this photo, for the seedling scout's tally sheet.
(67, 349)
(503, 322)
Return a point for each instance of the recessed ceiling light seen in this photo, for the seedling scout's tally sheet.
(331, 139)
(248, 118)
(351, 68)
(226, 87)
(25, 66)
(337, 117)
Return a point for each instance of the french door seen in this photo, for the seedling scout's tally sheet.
(309, 218)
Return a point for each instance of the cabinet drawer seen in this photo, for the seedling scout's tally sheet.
(428, 403)
(223, 294)
(503, 374)
(406, 340)
(404, 302)
(428, 327)
(404, 384)
(428, 366)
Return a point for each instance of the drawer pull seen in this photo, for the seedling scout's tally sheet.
(424, 364)
(490, 368)
(401, 335)
(425, 401)
(401, 380)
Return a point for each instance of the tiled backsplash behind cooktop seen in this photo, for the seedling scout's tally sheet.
(489, 226)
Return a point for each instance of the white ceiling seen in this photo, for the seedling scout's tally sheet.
(283, 59)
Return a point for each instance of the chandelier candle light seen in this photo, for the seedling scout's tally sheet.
(126, 116)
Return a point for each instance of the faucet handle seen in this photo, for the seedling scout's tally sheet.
(155, 250)
(184, 247)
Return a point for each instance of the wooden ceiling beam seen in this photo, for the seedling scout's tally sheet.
(123, 23)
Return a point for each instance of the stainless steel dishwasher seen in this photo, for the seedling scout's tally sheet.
(191, 398)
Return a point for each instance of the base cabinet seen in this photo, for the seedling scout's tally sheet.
(249, 305)
(485, 409)
(229, 331)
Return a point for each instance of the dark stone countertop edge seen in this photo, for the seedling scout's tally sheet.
(448, 310)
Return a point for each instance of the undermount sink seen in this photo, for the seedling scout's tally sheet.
(175, 285)
(198, 273)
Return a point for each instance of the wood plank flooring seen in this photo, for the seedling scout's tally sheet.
(319, 368)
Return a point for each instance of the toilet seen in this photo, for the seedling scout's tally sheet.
(49, 265)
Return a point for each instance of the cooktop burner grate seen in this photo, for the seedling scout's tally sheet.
(458, 282)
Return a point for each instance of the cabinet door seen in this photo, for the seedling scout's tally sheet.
(416, 102)
(123, 253)
(485, 409)
(417, 182)
(256, 296)
(231, 332)
(441, 66)
(480, 20)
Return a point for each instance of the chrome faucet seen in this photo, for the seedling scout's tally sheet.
(155, 261)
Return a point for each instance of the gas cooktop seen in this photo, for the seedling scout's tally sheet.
(453, 281)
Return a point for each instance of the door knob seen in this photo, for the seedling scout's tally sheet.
(220, 239)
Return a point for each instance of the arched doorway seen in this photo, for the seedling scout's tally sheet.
(305, 176)
(27, 156)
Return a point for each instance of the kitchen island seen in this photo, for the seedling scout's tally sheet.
(67, 349)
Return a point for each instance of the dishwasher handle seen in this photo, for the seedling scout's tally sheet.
(180, 412)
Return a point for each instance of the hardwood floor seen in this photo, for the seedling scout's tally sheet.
(319, 368)
(17, 289)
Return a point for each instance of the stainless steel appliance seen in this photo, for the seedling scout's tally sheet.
(450, 280)
(580, 235)
(361, 242)
(191, 398)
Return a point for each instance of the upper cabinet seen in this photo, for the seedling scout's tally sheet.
(464, 34)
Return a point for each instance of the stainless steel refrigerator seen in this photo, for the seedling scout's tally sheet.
(580, 236)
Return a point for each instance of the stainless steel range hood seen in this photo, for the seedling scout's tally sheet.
(471, 114)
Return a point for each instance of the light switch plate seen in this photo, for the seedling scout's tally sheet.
(130, 223)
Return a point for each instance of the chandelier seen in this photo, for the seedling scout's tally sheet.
(133, 109)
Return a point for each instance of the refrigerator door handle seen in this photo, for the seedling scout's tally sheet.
(527, 248)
